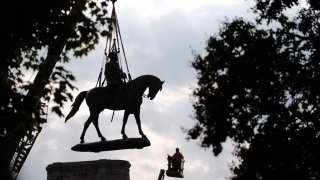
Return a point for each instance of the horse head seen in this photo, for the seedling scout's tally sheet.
(154, 88)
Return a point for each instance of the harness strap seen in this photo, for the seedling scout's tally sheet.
(112, 116)
(99, 81)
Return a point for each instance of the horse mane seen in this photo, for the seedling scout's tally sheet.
(147, 76)
(150, 79)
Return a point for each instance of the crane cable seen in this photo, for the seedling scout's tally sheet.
(115, 46)
(119, 33)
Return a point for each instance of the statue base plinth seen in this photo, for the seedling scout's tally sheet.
(117, 144)
(87, 170)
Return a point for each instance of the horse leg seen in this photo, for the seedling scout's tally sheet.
(125, 119)
(137, 116)
(85, 127)
(95, 120)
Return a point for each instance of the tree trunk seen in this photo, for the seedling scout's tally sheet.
(31, 100)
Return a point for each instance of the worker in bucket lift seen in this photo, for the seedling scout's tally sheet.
(174, 162)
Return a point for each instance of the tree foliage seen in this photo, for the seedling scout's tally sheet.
(32, 32)
(273, 9)
(258, 85)
(36, 35)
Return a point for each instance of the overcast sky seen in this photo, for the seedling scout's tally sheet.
(159, 37)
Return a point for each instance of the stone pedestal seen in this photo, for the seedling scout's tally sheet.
(89, 170)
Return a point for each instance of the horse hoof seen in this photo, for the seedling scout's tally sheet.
(124, 137)
(103, 139)
(82, 141)
(144, 136)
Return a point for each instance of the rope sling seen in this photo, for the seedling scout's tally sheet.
(113, 44)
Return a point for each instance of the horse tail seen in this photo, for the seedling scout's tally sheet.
(75, 106)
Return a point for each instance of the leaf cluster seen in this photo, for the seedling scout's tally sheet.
(274, 9)
(29, 29)
(258, 85)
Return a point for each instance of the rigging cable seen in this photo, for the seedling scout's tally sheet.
(118, 36)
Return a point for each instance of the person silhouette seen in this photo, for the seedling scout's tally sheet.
(175, 160)
(115, 76)
(113, 72)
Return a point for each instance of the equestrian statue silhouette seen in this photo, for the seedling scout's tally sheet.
(129, 100)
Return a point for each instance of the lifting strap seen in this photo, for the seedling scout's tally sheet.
(112, 44)
(113, 47)
(118, 39)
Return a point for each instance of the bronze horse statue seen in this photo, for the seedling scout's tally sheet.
(130, 99)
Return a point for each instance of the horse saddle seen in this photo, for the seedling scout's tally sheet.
(118, 94)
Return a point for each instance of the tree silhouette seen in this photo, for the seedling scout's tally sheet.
(36, 35)
(258, 85)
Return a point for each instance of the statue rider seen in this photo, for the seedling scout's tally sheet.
(114, 74)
